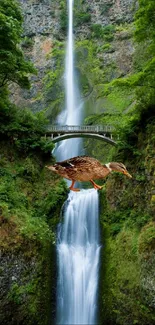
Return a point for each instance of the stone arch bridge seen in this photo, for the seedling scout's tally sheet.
(105, 133)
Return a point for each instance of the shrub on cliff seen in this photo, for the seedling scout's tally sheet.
(13, 66)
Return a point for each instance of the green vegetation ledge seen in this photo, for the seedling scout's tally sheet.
(30, 203)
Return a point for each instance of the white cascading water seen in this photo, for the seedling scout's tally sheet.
(78, 236)
(78, 258)
(72, 114)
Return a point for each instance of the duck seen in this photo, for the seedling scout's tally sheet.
(85, 168)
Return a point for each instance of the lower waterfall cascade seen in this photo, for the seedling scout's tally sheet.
(78, 250)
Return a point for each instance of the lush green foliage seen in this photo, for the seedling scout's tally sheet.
(88, 71)
(25, 130)
(127, 217)
(137, 89)
(13, 66)
(81, 15)
(143, 79)
(30, 200)
(145, 34)
(63, 16)
(24, 149)
(24, 152)
(88, 66)
(145, 21)
(29, 192)
(147, 240)
(128, 210)
(106, 33)
(31, 196)
(53, 82)
(83, 18)
(126, 299)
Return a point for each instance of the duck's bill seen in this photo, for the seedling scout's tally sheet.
(127, 174)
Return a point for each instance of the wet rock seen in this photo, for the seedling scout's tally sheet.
(42, 26)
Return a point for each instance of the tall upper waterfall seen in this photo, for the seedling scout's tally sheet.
(78, 236)
(72, 114)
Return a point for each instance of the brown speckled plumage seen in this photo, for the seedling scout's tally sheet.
(81, 168)
(85, 168)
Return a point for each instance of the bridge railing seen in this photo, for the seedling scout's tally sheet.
(80, 128)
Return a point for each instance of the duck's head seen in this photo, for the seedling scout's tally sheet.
(118, 167)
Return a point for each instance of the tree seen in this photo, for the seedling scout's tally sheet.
(13, 66)
(143, 80)
(145, 21)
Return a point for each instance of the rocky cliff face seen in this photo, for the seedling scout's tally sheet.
(40, 27)
(111, 11)
(128, 210)
(26, 283)
(44, 26)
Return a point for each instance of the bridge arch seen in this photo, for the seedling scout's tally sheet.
(83, 135)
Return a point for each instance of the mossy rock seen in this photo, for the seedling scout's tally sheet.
(146, 245)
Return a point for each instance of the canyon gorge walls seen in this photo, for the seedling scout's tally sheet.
(103, 37)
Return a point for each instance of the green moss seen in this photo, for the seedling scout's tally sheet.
(106, 33)
(25, 234)
(30, 202)
(82, 17)
(123, 298)
(81, 14)
(88, 71)
(30, 297)
(29, 194)
(63, 16)
(147, 239)
(128, 234)
(27, 42)
(107, 48)
(153, 199)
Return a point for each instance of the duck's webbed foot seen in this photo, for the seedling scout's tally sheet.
(97, 187)
(72, 188)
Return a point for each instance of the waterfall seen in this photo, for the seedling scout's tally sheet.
(78, 235)
(78, 254)
(72, 114)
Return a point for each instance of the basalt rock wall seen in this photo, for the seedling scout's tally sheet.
(43, 29)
